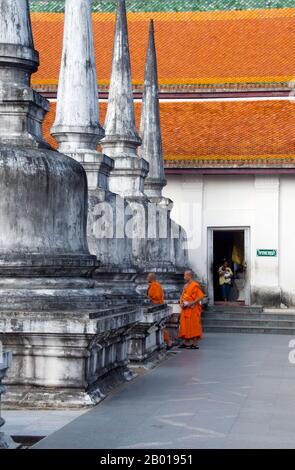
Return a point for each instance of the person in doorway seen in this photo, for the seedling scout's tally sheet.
(190, 327)
(225, 280)
(156, 295)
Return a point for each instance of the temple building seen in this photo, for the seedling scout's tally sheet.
(227, 116)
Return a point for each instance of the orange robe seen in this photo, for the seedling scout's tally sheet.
(190, 318)
(156, 294)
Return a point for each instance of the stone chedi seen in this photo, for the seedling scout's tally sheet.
(172, 240)
(129, 233)
(78, 133)
(121, 142)
(121, 137)
(68, 344)
(43, 210)
(76, 127)
(172, 246)
(150, 126)
(152, 246)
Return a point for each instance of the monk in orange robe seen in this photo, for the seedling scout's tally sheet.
(190, 327)
(156, 294)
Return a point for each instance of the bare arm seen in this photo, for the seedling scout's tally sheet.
(199, 296)
(192, 304)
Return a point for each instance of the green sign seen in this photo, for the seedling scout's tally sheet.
(266, 252)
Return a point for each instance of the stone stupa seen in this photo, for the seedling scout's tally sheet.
(67, 340)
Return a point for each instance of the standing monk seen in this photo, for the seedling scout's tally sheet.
(190, 328)
(156, 294)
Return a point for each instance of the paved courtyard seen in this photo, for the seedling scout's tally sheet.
(237, 391)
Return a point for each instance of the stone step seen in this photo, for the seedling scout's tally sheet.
(52, 306)
(249, 329)
(91, 309)
(234, 308)
(253, 316)
(249, 322)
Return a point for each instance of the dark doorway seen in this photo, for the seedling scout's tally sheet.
(229, 245)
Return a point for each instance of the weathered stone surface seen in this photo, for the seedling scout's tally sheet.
(125, 233)
(150, 126)
(22, 110)
(266, 296)
(5, 361)
(122, 140)
(16, 25)
(128, 235)
(63, 359)
(77, 124)
(146, 345)
(170, 252)
(42, 209)
(168, 255)
(105, 231)
(78, 132)
(69, 344)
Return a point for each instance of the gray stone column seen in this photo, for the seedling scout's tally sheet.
(18, 60)
(77, 128)
(78, 132)
(168, 256)
(122, 140)
(43, 211)
(150, 128)
(66, 339)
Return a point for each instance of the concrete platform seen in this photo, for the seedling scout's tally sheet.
(37, 423)
(237, 391)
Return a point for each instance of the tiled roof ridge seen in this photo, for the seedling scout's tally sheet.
(189, 87)
(232, 162)
(57, 6)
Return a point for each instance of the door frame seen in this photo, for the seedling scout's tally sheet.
(210, 235)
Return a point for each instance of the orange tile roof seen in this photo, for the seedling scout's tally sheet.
(230, 131)
(193, 47)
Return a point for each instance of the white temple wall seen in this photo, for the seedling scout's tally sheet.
(260, 205)
(287, 239)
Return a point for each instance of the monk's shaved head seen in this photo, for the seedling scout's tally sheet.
(188, 275)
(151, 277)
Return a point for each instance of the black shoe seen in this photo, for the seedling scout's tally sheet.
(183, 346)
(194, 347)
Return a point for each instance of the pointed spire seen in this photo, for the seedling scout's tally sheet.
(77, 124)
(121, 140)
(120, 118)
(24, 108)
(16, 42)
(15, 23)
(150, 126)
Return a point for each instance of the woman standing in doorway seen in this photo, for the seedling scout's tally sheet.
(225, 280)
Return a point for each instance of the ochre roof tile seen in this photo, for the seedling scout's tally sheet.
(193, 47)
(220, 131)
